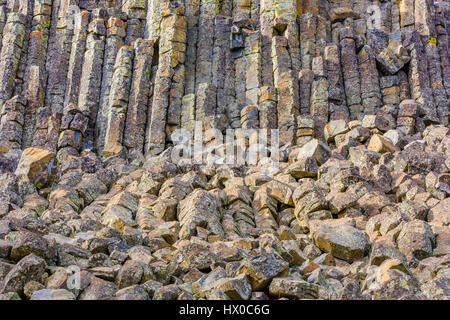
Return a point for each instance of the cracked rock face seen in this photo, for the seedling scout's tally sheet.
(96, 98)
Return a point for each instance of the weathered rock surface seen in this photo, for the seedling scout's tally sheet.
(354, 203)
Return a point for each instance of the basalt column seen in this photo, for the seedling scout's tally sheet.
(206, 91)
(11, 111)
(136, 11)
(74, 123)
(287, 90)
(76, 57)
(370, 87)
(11, 126)
(172, 49)
(12, 43)
(36, 72)
(91, 76)
(419, 79)
(223, 69)
(188, 101)
(61, 32)
(115, 35)
(3, 14)
(336, 96)
(443, 49)
(118, 102)
(266, 20)
(349, 63)
(138, 107)
(319, 107)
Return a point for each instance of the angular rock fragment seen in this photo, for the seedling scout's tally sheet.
(342, 241)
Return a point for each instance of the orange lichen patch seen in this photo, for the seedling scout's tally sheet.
(437, 84)
(113, 22)
(84, 35)
(59, 30)
(100, 20)
(111, 30)
(36, 34)
(173, 92)
(84, 13)
(249, 108)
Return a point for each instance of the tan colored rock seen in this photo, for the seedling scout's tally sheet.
(36, 166)
(303, 167)
(342, 241)
(380, 144)
(335, 127)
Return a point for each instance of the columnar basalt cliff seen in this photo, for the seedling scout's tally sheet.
(353, 93)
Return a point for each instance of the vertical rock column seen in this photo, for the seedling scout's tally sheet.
(253, 69)
(319, 98)
(404, 85)
(419, 79)
(11, 111)
(436, 77)
(424, 17)
(268, 108)
(305, 132)
(395, 16)
(11, 124)
(118, 102)
(49, 118)
(172, 46)
(206, 91)
(370, 87)
(188, 101)
(223, 69)
(35, 72)
(287, 90)
(390, 88)
(322, 35)
(286, 23)
(76, 58)
(91, 76)
(192, 17)
(240, 30)
(336, 96)
(349, 63)
(306, 78)
(308, 26)
(115, 35)
(153, 18)
(26, 8)
(134, 134)
(12, 43)
(443, 48)
(406, 116)
(267, 16)
(3, 14)
(407, 20)
(177, 85)
(136, 19)
(385, 8)
(425, 25)
(74, 123)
